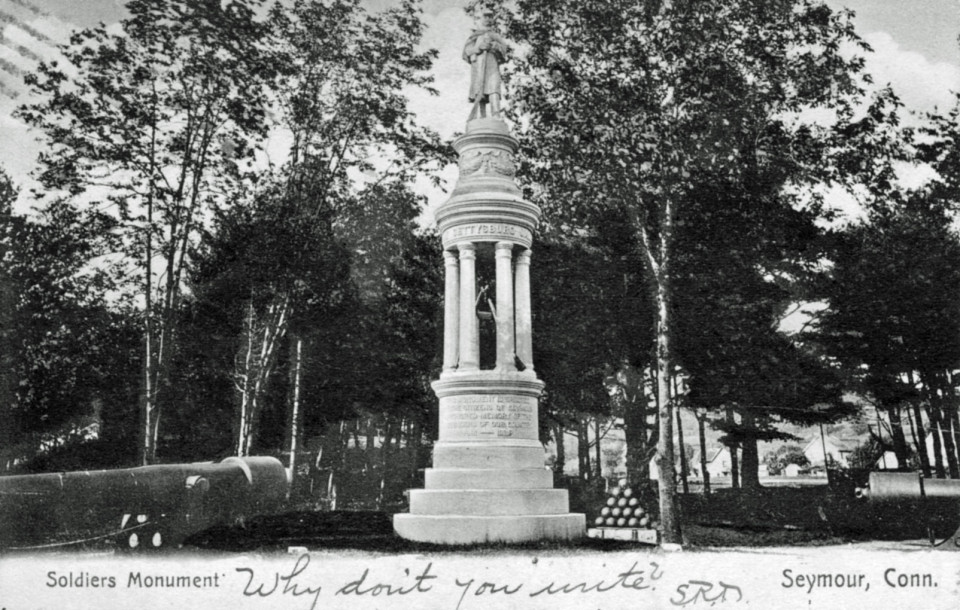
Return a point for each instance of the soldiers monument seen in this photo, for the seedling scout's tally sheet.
(488, 482)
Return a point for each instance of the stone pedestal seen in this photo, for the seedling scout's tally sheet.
(488, 482)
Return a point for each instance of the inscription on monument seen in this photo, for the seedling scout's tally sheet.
(487, 231)
(488, 416)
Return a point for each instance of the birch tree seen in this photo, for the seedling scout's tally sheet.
(152, 125)
(340, 99)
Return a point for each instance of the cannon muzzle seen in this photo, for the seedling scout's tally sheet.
(911, 488)
(153, 506)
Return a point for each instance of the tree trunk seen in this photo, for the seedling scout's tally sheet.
(561, 461)
(384, 460)
(368, 467)
(154, 376)
(934, 416)
(683, 455)
(315, 472)
(921, 439)
(332, 490)
(389, 454)
(657, 257)
(734, 467)
(293, 408)
(949, 449)
(749, 465)
(949, 452)
(750, 456)
(244, 382)
(954, 418)
(669, 509)
(261, 347)
(146, 454)
(145, 449)
(732, 448)
(951, 414)
(370, 444)
(9, 435)
(583, 449)
(597, 453)
(413, 446)
(916, 442)
(704, 473)
(575, 433)
(336, 468)
(944, 405)
(640, 448)
(900, 448)
(161, 367)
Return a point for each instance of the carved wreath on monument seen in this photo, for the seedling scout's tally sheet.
(488, 162)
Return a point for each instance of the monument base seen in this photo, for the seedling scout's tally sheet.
(461, 529)
(488, 482)
(511, 499)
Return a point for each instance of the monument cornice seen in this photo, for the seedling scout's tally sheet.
(487, 382)
(487, 217)
(484, 139)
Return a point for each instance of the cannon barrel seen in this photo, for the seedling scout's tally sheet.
(898, 486)
(150, 506)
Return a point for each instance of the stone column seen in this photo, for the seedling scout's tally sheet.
(505, 336)
(469, 327)
(524, 315)
(451, 312)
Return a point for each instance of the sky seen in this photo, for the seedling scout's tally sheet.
(915, 50)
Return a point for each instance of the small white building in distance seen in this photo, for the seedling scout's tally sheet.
(718, 462)
(838, 450)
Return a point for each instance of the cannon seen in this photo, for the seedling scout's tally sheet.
(149, 507)
(911, 488)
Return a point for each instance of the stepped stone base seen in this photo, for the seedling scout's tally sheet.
(460, 529)
(488, 502)
(470, 505)
(475, 478)
(488, 455)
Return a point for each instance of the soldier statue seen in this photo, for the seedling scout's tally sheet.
(485, 51)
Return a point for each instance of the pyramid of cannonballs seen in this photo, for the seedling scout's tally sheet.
(623, 509)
